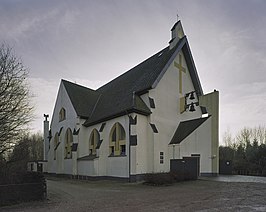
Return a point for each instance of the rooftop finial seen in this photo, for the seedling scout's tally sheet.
(46, 116)
(177, 32)
(177, 17)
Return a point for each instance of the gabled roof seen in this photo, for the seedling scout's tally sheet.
(83, 99)
(122, 95)
(185, 128)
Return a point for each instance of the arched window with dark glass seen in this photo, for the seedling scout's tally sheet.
(62, 114)
(68, 144)
(117, 144)
(93, 142)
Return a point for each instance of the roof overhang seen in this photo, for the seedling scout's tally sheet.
(185, 128)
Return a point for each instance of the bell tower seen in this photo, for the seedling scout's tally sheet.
(177, 33)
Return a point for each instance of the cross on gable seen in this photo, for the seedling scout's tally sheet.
(181, 69)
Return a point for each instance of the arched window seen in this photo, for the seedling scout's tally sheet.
(68, 144)
(56, 143)
(62, 114)
(117, 144)
(93, 142)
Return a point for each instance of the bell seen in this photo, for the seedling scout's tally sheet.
(192, 96)
(192, 108)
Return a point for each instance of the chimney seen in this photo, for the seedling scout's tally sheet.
(177, 34)
(45, 137)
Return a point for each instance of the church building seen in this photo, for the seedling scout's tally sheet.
(137, 123)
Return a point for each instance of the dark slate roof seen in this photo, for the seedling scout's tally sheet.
(83, 99)
(185, 128)
(122, 95)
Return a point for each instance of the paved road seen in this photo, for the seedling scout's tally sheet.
(236, 178)
(200, 195)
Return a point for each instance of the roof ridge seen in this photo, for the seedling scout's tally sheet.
(82, 98)
(139, 64)
(78, 85)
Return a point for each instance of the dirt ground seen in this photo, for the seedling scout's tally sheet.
(200, 195)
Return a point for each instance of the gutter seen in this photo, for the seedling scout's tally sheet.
(129, 148)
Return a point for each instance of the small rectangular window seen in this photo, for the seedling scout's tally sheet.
(161, 157)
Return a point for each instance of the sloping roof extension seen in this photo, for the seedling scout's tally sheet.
(185, 128)
(122, 95)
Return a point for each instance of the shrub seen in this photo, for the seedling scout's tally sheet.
(164, 178)
(23, 187)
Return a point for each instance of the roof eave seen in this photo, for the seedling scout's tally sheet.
(183, 45)
(125, 112)
(179, 141)
(180, 44)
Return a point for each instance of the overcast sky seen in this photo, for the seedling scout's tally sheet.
(91, 42)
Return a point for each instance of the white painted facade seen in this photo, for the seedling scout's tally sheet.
(144, 157)
(37, 166)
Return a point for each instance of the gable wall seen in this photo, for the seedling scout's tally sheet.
(166, 116)
(61, 165)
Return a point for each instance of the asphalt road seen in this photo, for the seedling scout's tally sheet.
(201, 195)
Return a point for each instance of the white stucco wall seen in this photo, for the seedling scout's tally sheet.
(88, 168)
(61, 165)
(198, 142)
(144, 149)
(166, 115)
(32, 166)
(104, 165)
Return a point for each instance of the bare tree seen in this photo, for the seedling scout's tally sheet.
(244, 137)
(15, 108)
(228, 139)
(259, 134)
